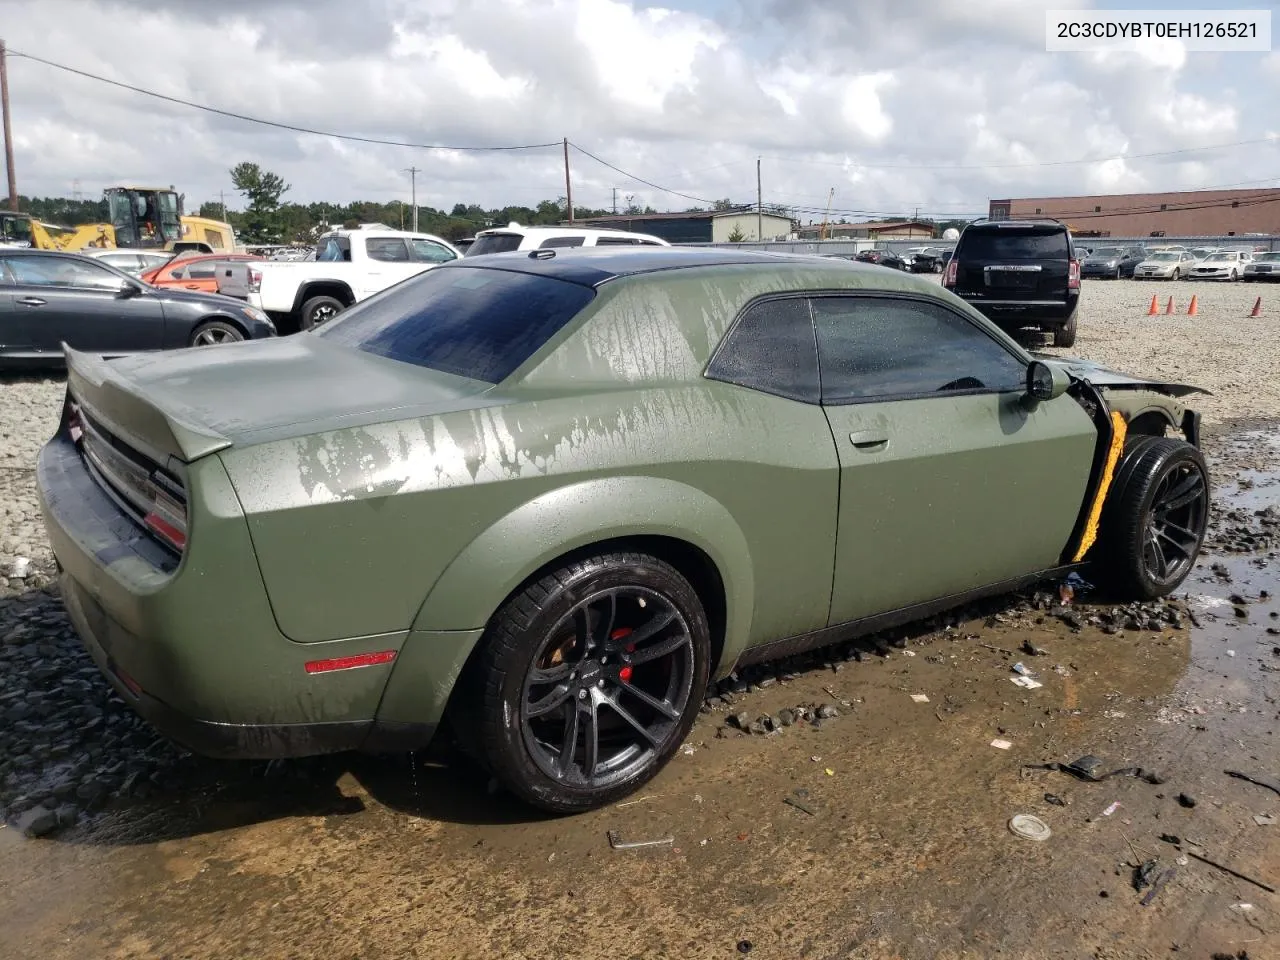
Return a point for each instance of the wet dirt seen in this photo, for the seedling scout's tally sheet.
(895, 842)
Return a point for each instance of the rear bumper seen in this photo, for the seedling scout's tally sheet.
(1046, 314)
(216, 677)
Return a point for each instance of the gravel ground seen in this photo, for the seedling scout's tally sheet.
(68, 744)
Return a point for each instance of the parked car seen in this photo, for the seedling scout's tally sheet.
(516, 237)
(132, 262)
(1022, 274)
(881, 258)
(537, 495)
(1223, 265)
(196, 272)
(1111, 263)
(927, 260)
(48, 298)
(1263, 267)
(1164, 265)
(349, 266)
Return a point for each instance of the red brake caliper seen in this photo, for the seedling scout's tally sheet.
(625, 673)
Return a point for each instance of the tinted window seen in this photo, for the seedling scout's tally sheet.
(562, 242)
(494, 243)
(1009, 244)
(427, 251)
(473, 323)
(611, 241)
(387, 250)
(61, 272)
(771, 349)
(872, 348)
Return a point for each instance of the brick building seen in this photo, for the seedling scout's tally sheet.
(1189, 213)
(872, 230)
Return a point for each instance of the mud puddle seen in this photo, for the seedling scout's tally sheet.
(880, 831)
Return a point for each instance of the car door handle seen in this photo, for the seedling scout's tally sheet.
(32, 302)
(869, 439)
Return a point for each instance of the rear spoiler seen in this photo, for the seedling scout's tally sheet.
(123, 406)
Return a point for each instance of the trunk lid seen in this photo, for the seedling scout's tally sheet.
(194, 402)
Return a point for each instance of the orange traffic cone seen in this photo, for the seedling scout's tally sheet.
(1152, 311)
(1257, 308)
(1168, 307)
(1191, 310)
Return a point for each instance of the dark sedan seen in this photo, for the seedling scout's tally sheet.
(49, 298)
(883, 258)
(1112, 263)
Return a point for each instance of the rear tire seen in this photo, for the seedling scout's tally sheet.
(1066, 336)
(318, 311)
(586, 682)
(1155, 520)
(213, 332)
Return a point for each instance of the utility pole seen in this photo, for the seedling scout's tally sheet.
(568, 188)
(759, 204)
(615, 201)
(413, 183)
(222, 204)
(8, 132)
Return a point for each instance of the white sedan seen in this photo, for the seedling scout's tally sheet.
(1164, 265)
(1223, 265)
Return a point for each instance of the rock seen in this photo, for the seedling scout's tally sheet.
(38, 822)
(757, 728)
(764, 683)
(786, 717)
(67, 814)
(741, 721)
(1186, 800)
(827, 712)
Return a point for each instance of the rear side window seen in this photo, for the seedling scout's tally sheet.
(386, 250)
(612, 241)
(473, 323)
(772, 349)
(495, 243)
(562, 242)
(333, 250)
(1007, 244)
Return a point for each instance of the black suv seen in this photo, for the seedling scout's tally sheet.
(1020, 274)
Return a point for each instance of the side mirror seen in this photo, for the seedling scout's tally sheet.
(128, 290)
(1045, 382)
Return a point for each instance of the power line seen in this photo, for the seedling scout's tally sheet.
(632, 176)
(272, 123)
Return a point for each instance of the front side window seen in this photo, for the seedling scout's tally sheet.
(878, 348)
(427, 251)
(771, 349)
(475, 323)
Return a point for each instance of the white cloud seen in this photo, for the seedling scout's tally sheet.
(912, 104)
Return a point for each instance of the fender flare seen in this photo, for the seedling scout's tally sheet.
(576, 516)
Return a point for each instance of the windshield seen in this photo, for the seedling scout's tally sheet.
(494, 243)
(1218, 257)
(470, 322)
(1004, 244)
(1164, 257)
(1267, 258)
(1106, 253)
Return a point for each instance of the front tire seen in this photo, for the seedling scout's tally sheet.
(586, 681)
(1177, 275)
(1156, 517)
(319, 310)
(213, 332)
(1235, 275)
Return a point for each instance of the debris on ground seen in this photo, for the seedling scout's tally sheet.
(1235, 873)
(1157, 885)
(800, 805)
(1086, 768)
(1144, 874)
(1271, 783)
(1263, 820)
(617, 843)
(1054, 799)
(1030, 827)
(1001, 744)
(920, 697)
(1186, 800)
(1021, 669)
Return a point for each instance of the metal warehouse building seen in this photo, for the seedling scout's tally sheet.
(710, 226)
(1190, 213)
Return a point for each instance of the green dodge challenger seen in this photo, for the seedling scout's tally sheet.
(547, 497)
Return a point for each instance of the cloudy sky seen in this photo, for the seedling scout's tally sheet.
(930, 104)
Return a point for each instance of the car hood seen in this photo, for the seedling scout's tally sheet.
(1101, 376)
(194, 402)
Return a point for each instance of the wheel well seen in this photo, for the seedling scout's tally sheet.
(339, 291)
(205, 321)
(1150, 424)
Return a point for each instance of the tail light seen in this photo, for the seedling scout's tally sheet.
(255, 280)
(949, 278)
(167, 518)
(1073, 275)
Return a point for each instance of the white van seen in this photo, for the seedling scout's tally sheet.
(515, 237)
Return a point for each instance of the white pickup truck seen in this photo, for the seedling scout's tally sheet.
(349, 266)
